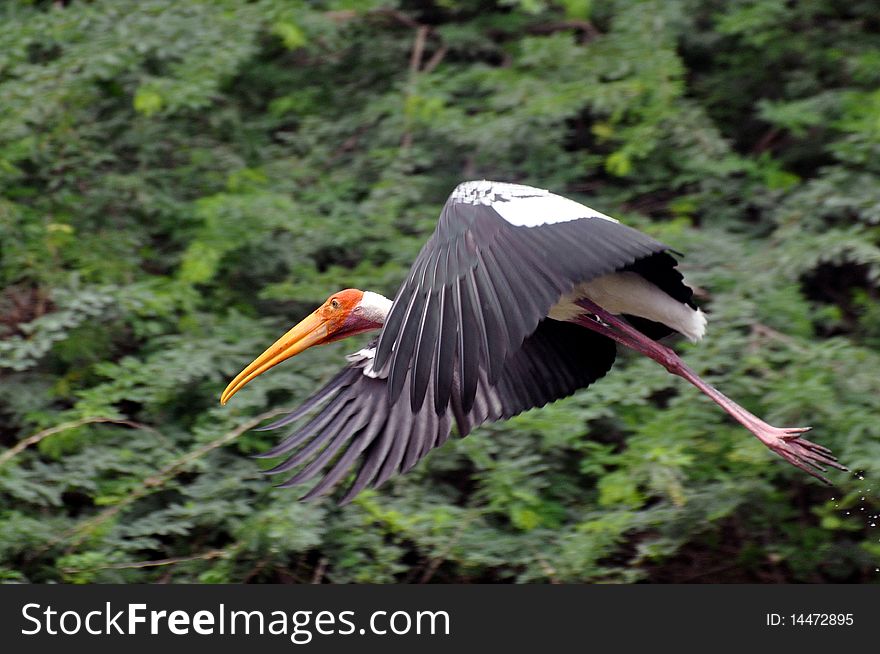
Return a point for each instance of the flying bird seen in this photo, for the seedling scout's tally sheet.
(519, 298)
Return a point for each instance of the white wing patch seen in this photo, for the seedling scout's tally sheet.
(543, 210)
(524, 206)
(365, 357)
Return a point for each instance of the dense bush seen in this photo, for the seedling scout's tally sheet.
(183, 180)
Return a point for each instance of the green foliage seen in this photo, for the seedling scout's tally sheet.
(182, 180)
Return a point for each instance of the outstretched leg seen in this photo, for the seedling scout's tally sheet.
(786, 442)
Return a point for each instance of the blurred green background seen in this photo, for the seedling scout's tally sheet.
(181, 181)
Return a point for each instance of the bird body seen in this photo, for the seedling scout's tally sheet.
(518, 298)
(631, 294)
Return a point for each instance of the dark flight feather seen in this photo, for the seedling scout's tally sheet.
(483, 263)
(354, 422)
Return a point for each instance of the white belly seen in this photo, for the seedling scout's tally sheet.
(630, 293)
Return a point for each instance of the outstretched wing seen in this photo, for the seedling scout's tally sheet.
(353, 422)
(499, 259)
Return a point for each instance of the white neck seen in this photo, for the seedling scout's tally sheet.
(375, 307)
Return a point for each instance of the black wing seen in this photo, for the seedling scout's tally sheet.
(354, 423)
(482, 283)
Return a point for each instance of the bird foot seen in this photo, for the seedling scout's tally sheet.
(788, 443)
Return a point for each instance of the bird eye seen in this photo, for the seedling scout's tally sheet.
(334, 303)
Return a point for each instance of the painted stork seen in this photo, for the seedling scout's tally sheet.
(518, 299)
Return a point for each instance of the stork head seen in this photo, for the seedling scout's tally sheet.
(345, 313)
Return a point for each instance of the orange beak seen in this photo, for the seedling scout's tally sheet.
(312, 330)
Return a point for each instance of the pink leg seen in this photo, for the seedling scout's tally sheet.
(786, 442)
